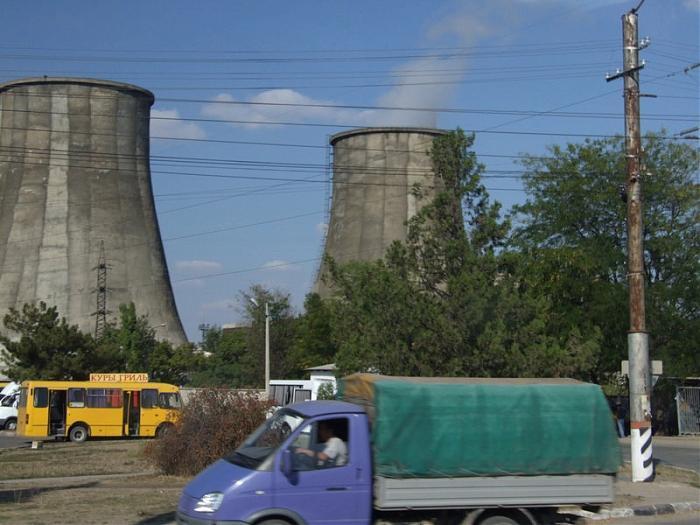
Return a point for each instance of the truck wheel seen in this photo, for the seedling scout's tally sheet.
(274, 522)
(11, 424)
(78, 434)
(499, 520)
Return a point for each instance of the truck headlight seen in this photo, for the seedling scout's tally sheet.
(209, 502)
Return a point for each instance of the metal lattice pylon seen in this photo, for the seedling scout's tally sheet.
(101, 293)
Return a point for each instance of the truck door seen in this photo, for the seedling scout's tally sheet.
(332, 490)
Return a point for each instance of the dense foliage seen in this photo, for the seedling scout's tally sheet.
(48, 347)
(572, 232)
(451, 300)
(212, 424)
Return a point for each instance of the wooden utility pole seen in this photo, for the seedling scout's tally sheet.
(637, 337)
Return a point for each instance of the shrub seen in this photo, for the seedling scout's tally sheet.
(212, 424)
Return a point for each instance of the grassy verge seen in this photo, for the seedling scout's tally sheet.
(59, 459)
(147, 500)
(667, 473)
(139, 499)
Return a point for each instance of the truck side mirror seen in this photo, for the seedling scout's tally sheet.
(287, 462)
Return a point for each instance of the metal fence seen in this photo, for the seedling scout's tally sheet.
(688, 406)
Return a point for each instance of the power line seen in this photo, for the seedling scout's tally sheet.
(470, 111)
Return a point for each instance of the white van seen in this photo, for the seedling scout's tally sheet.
(9, 399)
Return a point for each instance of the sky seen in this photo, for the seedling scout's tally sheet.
(248, 93)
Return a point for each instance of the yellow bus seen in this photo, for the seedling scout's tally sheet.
(81, 409)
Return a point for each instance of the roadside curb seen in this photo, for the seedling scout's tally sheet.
(644, 510)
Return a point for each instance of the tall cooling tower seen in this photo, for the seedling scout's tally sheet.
(75, 177)
(374, 170)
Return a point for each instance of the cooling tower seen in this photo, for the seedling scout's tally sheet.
(374, 170)
(75, 176)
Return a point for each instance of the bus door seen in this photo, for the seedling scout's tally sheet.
(57, 412)
(132, 412)
(151, 413)
(38, 415)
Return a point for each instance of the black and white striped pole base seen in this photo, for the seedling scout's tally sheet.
(642, 458)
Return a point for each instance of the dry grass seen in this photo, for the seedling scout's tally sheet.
(678, 475)
(140, 500)
(666, 473)
(59, 459)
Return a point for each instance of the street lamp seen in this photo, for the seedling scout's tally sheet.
(267, 344)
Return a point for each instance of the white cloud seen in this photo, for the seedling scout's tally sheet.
(278, 265)
(264, 107)
(693, 5)
(164, 123)
(198, 266)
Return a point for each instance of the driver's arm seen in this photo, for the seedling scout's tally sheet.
(311, 453)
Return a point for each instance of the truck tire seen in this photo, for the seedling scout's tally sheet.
(274, 522)
(11, 424)
(499, 520)
(78, 434)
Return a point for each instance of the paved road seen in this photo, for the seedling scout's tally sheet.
(676, 451)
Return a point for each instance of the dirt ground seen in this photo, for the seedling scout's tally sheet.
(145, 498)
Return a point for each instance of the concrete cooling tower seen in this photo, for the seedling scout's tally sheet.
(75, 182)
(374, 170)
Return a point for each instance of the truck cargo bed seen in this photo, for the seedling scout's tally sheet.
(501, 491)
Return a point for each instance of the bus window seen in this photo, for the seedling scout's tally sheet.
(149, 398)
(104, 397)
(76, 397)
(41, 397)
(169, 400)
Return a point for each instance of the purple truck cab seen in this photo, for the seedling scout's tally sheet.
(269, 479)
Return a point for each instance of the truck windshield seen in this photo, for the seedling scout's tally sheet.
(268, 437)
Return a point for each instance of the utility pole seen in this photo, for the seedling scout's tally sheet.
(637, 337)
(267, 350)
(267, 344)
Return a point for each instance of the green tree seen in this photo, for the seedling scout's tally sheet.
(226, 358)
(572, 230)
(131, 346)
(48, 347)
(281, 335)
(313, 343)
(451, 301)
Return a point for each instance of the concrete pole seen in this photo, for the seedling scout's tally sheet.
(637, 338)
(267, 351)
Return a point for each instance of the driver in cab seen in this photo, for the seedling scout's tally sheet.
(335, 451)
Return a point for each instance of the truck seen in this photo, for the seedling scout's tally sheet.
(9, 399)
(467, 451)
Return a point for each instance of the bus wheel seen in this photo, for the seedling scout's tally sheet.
(11, 424)
(163, 430)
(78, 434)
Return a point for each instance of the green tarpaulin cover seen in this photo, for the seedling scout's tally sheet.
(433, 427)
